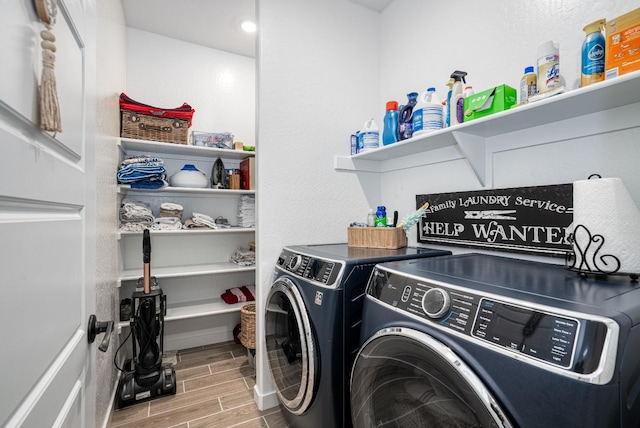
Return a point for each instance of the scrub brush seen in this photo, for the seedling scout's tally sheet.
(409, 221)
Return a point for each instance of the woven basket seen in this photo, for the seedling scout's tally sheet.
(248, 325)
(146, 127)
(377, 237)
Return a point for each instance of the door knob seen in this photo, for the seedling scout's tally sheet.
(96, 327)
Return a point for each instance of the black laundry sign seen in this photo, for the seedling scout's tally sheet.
(520, 219)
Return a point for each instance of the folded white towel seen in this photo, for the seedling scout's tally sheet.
(199, 218)
(171, 206)
(167, 223)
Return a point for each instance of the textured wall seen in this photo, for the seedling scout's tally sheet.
(220, 86)
(422, 42)
(110, 81)
(324, 67)
(493, 42)
(318, 82)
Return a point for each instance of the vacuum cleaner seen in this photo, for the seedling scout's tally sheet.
(149, 378)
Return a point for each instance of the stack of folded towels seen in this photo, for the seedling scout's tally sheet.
(244, 257)
(200, 221)
(246, 293)
(247, 211)
(136, 216)
(142, 172)
(170, 209)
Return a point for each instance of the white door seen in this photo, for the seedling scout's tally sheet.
(46, 221)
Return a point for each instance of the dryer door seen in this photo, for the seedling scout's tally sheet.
(405, 378)
(290, 346)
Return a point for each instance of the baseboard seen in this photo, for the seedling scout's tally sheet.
(176, 343)
(265, 401)
(112, 403)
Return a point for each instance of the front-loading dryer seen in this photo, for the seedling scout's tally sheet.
(476, 340)
(312, 326)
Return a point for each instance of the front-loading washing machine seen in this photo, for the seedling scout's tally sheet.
(476, 340)
(312, 326)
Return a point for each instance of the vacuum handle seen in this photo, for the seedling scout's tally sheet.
(96, 327)
(146, 259)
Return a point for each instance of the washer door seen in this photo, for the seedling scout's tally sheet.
(405, 378)
(290, 346)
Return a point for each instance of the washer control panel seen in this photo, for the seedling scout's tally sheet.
(513, 326)
(310, 268)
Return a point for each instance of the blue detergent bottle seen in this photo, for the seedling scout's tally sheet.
(390, 126)
(405, 119)
(593, 49)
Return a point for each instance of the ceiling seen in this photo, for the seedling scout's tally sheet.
(211, 23)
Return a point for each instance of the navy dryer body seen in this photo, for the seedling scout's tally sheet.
(312, 326)
(484, 341)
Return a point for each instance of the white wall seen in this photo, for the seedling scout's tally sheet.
(326, 66)
(317, 82)
(220, 86)
(493, 42)
(110, 81)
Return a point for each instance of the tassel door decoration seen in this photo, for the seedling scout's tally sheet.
(49, 105)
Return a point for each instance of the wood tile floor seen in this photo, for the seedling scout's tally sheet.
(214, 389)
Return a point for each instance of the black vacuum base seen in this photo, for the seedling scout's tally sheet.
(134, 389)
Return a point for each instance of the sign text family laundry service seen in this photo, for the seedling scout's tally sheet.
(524, 219)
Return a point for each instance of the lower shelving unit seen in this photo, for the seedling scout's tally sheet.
(193, 267)
(185, 271)
(196, 309)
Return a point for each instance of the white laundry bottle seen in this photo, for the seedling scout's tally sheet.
(370, 135)
(428, 113)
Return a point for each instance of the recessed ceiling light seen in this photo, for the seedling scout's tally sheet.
(249, 27)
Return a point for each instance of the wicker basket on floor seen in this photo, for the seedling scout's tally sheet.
(248, 326)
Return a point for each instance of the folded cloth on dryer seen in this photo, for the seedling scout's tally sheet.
(246, 293)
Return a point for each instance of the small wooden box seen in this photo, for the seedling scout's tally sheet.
(377, 237)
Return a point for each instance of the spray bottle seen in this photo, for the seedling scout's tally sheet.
(457, 97)
(593, 53)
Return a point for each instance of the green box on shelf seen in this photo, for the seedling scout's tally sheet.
(498, 98)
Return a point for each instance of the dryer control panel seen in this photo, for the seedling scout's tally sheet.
(325, 272)
(513, 326)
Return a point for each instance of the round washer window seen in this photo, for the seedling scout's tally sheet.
(290, 346)
(405, 378)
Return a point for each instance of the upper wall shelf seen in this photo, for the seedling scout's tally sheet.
(471, 136)
(129, 144)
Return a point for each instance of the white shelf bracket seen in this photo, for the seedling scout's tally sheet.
(346, 163)
(474, 148)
